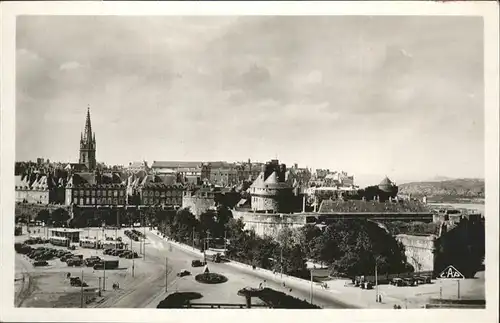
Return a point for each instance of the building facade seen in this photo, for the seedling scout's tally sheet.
(95, 189)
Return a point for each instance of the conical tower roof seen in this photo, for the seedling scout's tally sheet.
(87, 133)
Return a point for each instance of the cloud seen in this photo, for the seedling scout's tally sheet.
(276, 83)
(70, 66)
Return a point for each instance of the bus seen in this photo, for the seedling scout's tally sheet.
(59, 241)
(89, 243)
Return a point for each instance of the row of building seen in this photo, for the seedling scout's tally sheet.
(262, 187)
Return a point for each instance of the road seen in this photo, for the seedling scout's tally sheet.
(23, 279)
(158, 251)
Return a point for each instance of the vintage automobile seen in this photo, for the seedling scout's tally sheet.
(132, 255)
(40, 263)
(74, 262)
(76, 281)
(183, 273)
(198, 263)
(423, 279)
(410, 282)
(397, 282)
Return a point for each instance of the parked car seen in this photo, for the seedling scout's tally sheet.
(410, 282)
(124, 253)
(397, 282)
(183, 273)
(423, 279)
(74, 262)
(110, 264)
(132, 255)
(91, 261)
(197, 263)
(76, 281)
(40, 263)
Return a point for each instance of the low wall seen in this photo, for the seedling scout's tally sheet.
(269, 223)
(419, 251)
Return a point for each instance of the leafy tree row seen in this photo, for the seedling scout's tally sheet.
(355, 247)
(348, 248)
(58, 217)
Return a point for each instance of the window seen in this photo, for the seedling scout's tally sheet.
(93, 199)
(121, 193)
(98, 192)
(75, 193)
(92, 193)
(87, 193)
(115, 193)
(88, 200)
(81, 201)
(75, 200)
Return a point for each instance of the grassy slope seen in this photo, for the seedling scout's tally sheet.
(456, 188)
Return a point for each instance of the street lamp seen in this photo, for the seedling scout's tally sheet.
(377, 258)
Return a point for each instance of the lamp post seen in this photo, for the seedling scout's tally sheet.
(281, 262)
(376, 281)
(166, 274)
(81, 298)
(311, 285)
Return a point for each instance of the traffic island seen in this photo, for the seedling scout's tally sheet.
(276, 299)
(179, 300)
(210, 278)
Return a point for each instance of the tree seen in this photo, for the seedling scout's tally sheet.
(182, 225)
(208, 224)
(294, 262)
(265, 252)
(223, 216)
(43, 216)
(60, 217)
(463, 247)
(353, 247)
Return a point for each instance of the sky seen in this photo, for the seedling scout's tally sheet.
(373, 96)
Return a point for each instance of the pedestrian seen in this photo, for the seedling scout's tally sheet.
(260, 286)
(395, 307)
(380, 298)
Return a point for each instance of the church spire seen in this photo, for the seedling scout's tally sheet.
(88, 145)
(87, 134)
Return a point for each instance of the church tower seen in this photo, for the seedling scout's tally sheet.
(87, 145)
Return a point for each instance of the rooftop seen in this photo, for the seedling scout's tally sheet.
(176, 164)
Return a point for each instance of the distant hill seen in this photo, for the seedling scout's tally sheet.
(454, 189)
